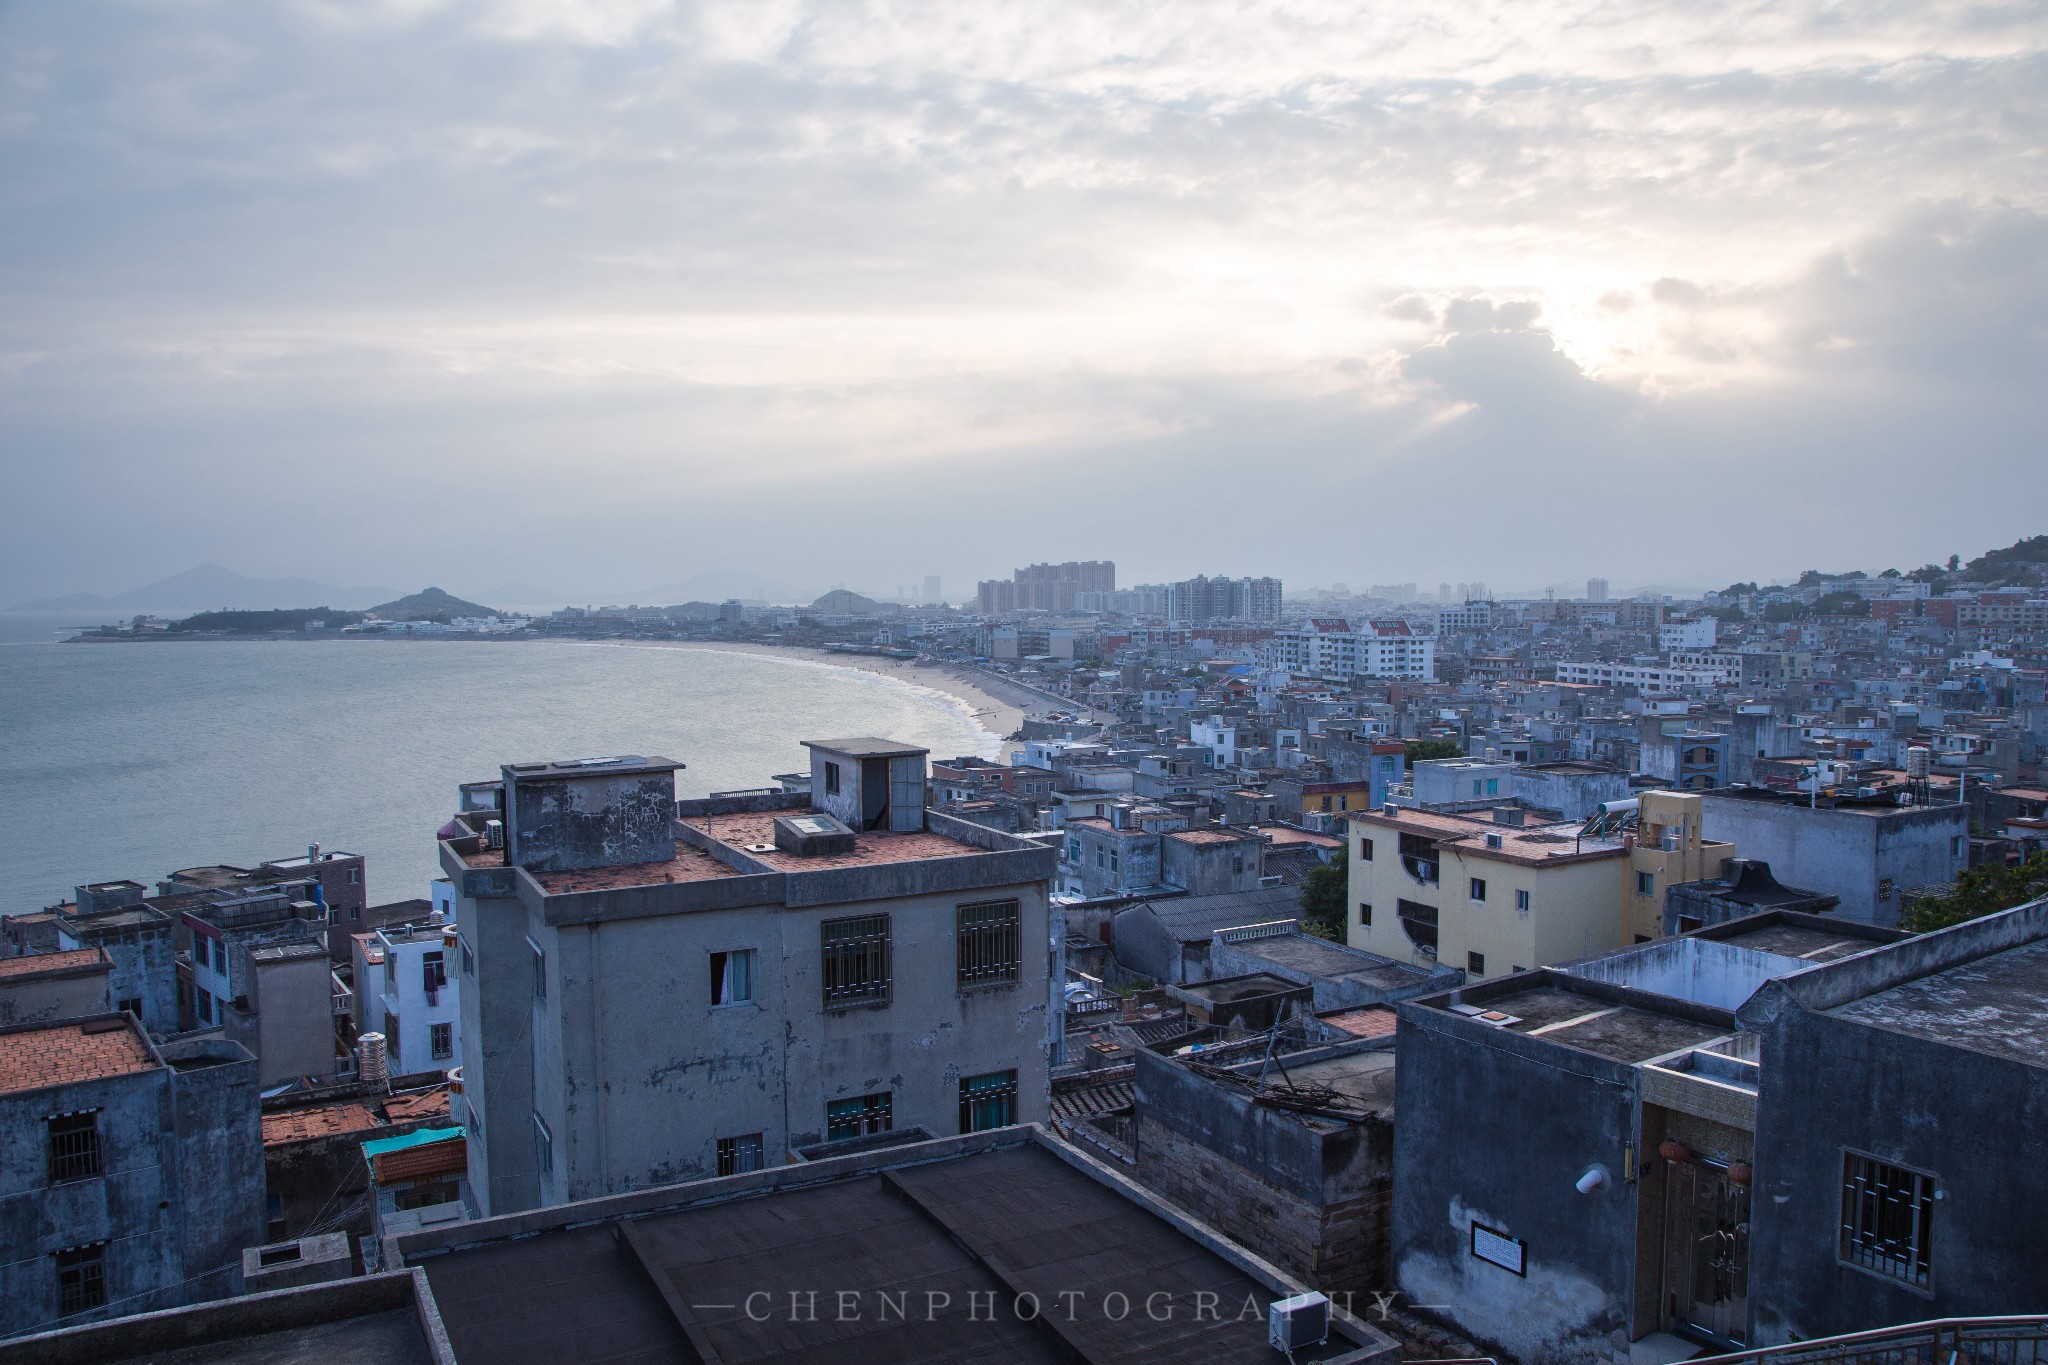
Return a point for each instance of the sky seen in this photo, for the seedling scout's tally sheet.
(599, 297)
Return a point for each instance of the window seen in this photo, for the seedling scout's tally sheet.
(1493, 786)
(831, 779)
(543, 1146)
(442, 1039)
(1073, 850)
(81, 1279)
(1887, 1218)
(1522, 901)
(1365, 914)
(390, 970)
(732, 977)
(133, 1005)
(738, 1155)
(1475, 964)
(468, 958)
(856, 966)
(74, 1141)
(1365, 850)
(391, 1044)
(433, 971)
(1418, 921)
(1476, 785)
(426, 1196)
(202, 1005)
(988, 938)
(1479, 888)
(1955, 846)
(1646, 883)
(540, 971)
(355, 876)
(988, 1101)
(858, 1117)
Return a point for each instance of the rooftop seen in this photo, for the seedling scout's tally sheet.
(1374, 1021)
(691, 864)
(745, 829)
(1788, 940)
(1996, 1004)
(1589, 1023)
(866, 746)
(996, 1222)
(1525, 844)
(51, 964)
(1329, 961)
(281, 1126)
(616, 765)
(66, 1054)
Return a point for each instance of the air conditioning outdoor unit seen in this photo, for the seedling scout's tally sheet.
(1298, 1322)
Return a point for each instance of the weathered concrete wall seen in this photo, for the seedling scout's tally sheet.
(556, 824)
(1832, 1085)
(1210, 867)
(219, 1161)
(497, 1050)
(1495, 1129)
(57, 995)
(1866, 859)
(294, 1003)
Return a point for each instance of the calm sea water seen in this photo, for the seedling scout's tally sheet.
(132, 760)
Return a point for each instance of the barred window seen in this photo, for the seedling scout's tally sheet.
(860, 1116)
(81, 1279)
(75, 1152)
(856, 968)
(988, 1101)
(1887, 1218)
(989, 942)
(738, 1155)
(441, 1039)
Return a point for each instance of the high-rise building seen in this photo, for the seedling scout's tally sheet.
(931, 589)
(996, 597)
(1202, 598)
(1052, 587)
(1596, 590)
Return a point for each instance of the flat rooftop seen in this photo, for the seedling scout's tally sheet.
(613, 765)
(1367, 1077)
(994, 1224)
(870, 847)
(1372, 1021)
(690, 864)
(66, 1054)
(865, 746)
(1996, 1004)
(1528, 844)
(1621, 1032)
(1789, 940)
(1331, 962)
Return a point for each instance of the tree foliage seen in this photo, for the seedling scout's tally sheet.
(1324, 893)
(1980, 891)
(1422, 750)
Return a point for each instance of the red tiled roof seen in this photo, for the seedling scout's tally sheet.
(426, 1105)
(65, 1054)
(328, 1120)
(447, 1157)
(34, 964)
(1374, 1021)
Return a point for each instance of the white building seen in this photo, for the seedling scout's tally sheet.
(1471, 615)
(1694, 632)
(1219, 737)
(1331, 648)
(408, 990)
(1649, 678)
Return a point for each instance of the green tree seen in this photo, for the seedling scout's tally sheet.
(1420, 750)
(1979, 891)
(1324, 893)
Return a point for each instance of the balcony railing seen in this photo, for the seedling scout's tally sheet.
(1944, 1341)
(1420, 870)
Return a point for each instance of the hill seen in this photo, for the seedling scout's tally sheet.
(206, 587)
(429, 604)
(265, 622)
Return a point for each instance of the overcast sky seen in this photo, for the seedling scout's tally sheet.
(600, 296)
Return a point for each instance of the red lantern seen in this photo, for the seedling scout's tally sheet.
(1739, 1173)
(1671, 1149)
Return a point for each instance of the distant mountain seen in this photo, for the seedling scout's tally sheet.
(208, 587)
(429, 604)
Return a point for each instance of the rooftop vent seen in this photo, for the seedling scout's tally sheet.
(812, 836)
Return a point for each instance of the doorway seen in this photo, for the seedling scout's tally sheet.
(1706, 1253)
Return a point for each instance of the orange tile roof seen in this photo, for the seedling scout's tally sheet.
(1374, 1021)
(327, 1120)
(447, 1157)
(65, 1054)
(34, 964)
(427, 1104)
(691, 864)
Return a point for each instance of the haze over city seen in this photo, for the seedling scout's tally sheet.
(852, 294)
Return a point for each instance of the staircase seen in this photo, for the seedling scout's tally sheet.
(1944, 1341)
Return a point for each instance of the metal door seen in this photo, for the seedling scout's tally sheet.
(1706, 1252)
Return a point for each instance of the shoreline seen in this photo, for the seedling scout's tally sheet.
(975, 697)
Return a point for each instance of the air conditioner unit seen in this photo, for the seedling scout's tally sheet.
(1298, 1322)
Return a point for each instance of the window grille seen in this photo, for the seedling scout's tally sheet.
(1887, 1218)
(856, 966)
(738, 1155)
(75, 1152)
(989, 932)
(81, 1279)
(859, 1117)
(442, 1037)
(988, 1101)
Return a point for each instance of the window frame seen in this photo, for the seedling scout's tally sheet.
(732, 977)
(1365, 850)
(543, 1147)
(1477, 888)
(1365, 914)
(731, 1154)
(86, 1267)
(1475, 963)
(74, 1147)
(873, 950)
(1861, 1242)
(540, 971)
(991, 1088)
(876, 1113)
(1522, 900)
(441, 1041)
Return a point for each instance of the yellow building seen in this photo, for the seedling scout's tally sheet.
(1492, 894)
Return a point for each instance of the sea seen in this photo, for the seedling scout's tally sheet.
(131, 760)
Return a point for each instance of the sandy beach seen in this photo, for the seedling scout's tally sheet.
(995, 706)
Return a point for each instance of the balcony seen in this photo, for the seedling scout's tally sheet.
(1422, 870)
(344, 998)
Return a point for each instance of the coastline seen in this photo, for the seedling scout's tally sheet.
(980, 699)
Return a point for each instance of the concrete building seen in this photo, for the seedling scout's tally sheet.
(654, 990)
(409, 990)
(141, 944)
(1873, 855)
(44, 987)
(1491, 894)
(1168, 939)
(135, 1171)
(1333, 648)
(328, 877)
(257, 968)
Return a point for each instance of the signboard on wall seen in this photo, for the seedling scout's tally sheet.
(1495, 1246)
